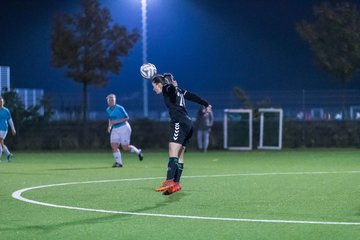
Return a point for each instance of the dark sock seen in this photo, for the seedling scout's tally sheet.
(179, 172)
(172, 167)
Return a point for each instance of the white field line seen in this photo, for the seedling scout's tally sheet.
(18, 195)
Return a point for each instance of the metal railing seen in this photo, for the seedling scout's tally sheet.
(296, 104)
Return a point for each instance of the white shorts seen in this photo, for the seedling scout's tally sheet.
(121, 135)
(3, 134)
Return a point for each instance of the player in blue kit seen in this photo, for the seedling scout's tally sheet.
(181, 127)
(5, 121)
(120, 131)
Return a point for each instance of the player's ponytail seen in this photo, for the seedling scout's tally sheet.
(159, 79)
(169, 78)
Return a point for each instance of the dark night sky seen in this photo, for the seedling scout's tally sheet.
(209, 45)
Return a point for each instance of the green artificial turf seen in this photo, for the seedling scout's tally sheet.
(304, 194)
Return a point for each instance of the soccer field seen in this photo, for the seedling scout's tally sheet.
(303, 194)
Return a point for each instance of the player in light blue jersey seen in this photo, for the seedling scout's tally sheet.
(5, 121)
(120, 130)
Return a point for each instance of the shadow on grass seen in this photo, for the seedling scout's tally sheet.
(53, 227)
(168, 200)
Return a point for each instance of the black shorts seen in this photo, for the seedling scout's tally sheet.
(180, 133)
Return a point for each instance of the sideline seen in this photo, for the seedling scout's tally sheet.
(18, 195)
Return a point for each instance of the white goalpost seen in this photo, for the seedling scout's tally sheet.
(238, 129)
(271, 126)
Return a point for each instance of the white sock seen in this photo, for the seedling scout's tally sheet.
(134, 149)
(6, 150)
(1, 150)
(117, 157)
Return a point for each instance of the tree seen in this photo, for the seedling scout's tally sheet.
(334, 38)
(39, 113)
(246, 102)
(88, 45)
(244, 99)
(16, 107)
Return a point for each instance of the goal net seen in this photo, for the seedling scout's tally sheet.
(271, 126)
(238, 129)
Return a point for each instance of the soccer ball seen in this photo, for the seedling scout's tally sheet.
(148, 70)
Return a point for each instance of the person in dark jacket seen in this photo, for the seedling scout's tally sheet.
(204, 122)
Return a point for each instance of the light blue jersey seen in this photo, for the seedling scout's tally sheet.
(5, 116)
(117, 112)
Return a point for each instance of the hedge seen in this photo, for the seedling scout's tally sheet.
(148, 134)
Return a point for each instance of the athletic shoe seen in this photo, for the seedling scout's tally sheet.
(140, 155)
(116, 165)
(165, 185)
(9, 157)
(175, 188)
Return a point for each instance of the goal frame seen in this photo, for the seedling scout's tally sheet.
(250, 133)
(262, 111)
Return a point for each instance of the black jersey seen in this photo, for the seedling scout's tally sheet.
(174, 99)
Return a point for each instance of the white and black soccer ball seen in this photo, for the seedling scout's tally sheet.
(148, 70)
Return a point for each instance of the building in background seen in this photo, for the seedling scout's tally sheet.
(30, 97)
(4, 78)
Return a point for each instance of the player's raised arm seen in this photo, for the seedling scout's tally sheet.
(195, 98)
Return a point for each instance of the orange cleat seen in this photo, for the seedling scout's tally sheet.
(165, 185)
(175, 188)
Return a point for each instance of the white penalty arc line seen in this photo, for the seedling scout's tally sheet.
(18, 195)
